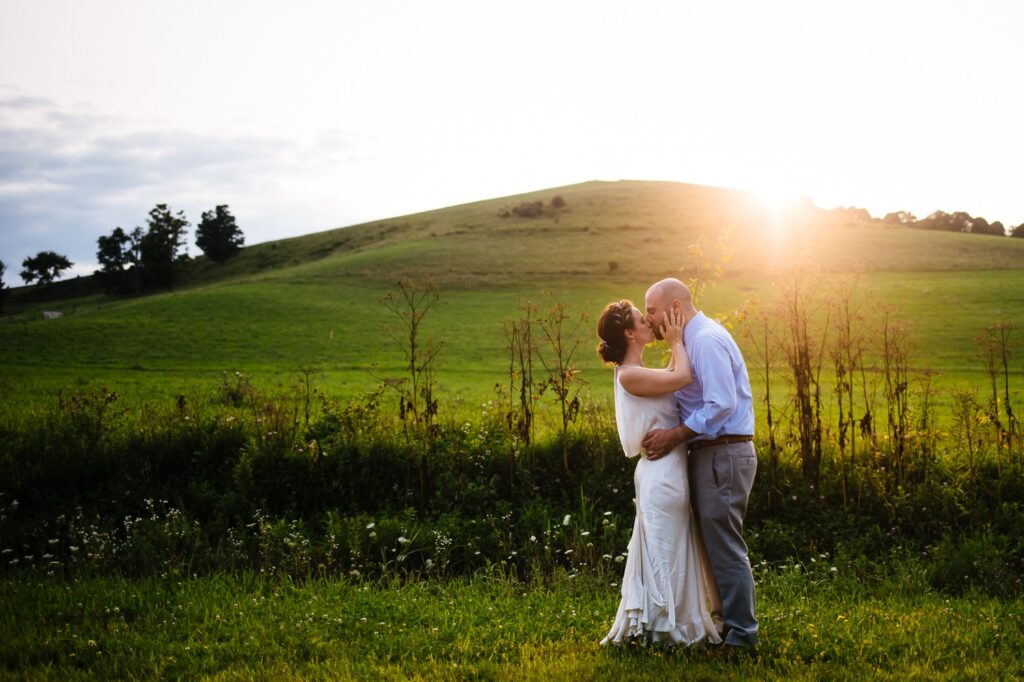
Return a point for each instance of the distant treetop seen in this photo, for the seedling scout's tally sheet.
(44, 267)
(218, 236)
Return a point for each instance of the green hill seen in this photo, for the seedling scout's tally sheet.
(313, 301)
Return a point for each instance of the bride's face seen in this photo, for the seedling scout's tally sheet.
(642, 332)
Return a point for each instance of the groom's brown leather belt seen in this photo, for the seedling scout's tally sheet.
(721, 440)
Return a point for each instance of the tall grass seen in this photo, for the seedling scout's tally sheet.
(92, 487)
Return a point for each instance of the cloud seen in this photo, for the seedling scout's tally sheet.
(68, 177)
(25, 102)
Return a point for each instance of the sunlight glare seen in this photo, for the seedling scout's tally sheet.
(780, 208)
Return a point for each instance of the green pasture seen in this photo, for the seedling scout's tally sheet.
(816, 623)
(314, 301)
(181, 342)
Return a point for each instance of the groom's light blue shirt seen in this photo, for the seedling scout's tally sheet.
(719, 400)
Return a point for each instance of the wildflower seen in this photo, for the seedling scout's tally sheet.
(607, 513)
(373, 534)
(533, 538)
(565, 521)
(370, 525)
(402, 540)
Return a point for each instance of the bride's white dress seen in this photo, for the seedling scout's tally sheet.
(667, 592)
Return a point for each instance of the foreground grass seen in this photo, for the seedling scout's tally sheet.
(815, 625)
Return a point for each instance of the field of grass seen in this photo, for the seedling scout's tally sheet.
(314, 302)
(180, 343)
(815, 623)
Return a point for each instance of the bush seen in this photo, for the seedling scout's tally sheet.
(985, 562)
(529, 209)
(196, 486)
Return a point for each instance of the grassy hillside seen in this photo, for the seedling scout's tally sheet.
(313, 301)
(644, 227)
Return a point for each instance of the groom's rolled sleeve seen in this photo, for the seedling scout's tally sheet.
(713, 364)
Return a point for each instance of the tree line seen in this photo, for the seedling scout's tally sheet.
(143, 260)
(960, 221)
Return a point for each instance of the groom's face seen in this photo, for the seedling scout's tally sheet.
(656, 308)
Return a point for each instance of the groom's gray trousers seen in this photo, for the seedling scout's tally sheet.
(721, 477)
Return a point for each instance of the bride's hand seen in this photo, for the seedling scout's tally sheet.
(672, 328)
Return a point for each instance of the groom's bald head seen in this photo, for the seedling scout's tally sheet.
(670, 289)
(668, 294)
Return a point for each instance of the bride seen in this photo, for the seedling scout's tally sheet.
(668, 592)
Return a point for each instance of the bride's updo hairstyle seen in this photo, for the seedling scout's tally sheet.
(616, 319)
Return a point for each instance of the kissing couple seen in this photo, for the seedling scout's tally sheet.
(687, 577)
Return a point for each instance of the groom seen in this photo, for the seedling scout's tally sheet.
(717, 415)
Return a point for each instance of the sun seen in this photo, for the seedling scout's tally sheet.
(782, 211)
(778, 199)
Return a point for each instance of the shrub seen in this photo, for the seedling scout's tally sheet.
(978, 562)
(529, 209)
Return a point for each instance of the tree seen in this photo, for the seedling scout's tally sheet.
(853, 214)
(1018, 231)
(981, 226)
(417, 405)
(44, 267)
(946, 222)
(899, 218)
(159, 246)
(561, 331)
(118, 254)
(218, 236)
(3, 289)
(961, 221)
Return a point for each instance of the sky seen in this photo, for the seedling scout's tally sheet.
(304, 116)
